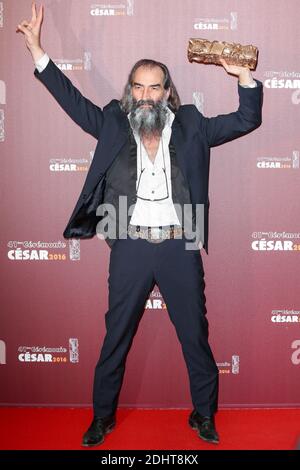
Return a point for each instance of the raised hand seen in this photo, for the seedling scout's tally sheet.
(244, 74)
(32, 31)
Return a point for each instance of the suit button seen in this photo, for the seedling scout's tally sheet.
(84, 196)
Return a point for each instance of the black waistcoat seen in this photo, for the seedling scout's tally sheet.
(121, 181)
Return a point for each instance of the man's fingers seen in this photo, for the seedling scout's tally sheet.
(225, 65)
(26, 27)
(40, 15)
(22, 29)
(33, 9)
(223, 62)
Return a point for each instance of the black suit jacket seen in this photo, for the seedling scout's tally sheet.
(192, 136)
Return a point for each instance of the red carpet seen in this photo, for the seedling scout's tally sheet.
(62, 428)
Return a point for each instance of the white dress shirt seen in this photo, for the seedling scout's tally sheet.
(154, 182)
(42, 63)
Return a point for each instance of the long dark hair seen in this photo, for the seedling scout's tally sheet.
(173, 100)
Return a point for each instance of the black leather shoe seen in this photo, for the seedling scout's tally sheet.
(97, 430)
(205, 425)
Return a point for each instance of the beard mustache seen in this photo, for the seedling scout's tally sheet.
(148, 121)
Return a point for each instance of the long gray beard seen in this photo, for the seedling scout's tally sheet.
(148, 122)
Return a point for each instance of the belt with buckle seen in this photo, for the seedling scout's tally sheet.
(155, 234)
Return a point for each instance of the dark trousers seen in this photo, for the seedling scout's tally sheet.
(135, 266)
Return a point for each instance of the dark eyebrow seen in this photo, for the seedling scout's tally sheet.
(136, 83)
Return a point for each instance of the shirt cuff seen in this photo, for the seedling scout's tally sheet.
(42, 63)
(251, 85)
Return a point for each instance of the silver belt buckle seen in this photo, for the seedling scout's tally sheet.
(155, 233)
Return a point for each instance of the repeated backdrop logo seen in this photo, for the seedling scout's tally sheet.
(284, 80)
(43, 251)
(216, 24)
(285, 316)
(276, 241)
(60, 164)
(280, 163)
(113, 8)
(63, 355)
(230, 367)
(78, 64)
(47, 354)
(155, 301)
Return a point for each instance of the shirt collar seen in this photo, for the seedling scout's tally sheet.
(171, 117)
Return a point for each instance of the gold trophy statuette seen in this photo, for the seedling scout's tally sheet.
(210, 52)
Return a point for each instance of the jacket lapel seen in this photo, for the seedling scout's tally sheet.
(117, 134)
(177, 139)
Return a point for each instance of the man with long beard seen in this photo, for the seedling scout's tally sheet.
(155, 153)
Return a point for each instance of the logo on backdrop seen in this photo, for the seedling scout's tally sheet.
(230, 367)
(155, 301)
(281, 163)
(295, 357)
(1, 15)
(44, 251)
(114, 8)
(45, 354)
(276, 241)
(73, 350)
(2, 101)
(285, 316)
(283, 79)
(75, 64)
(214, 24)
(71, 164)
(2, 352)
